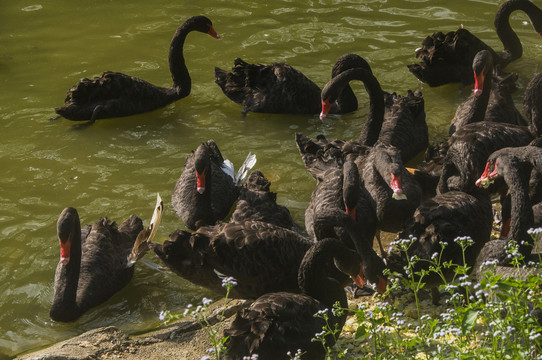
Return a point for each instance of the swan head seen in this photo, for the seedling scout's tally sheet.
(482, 66)
(203, 24)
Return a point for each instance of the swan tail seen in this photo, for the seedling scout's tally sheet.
(242, 173)
(144, 238)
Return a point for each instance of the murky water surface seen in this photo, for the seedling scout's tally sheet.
(117, 166)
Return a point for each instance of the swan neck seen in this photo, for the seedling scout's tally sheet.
(522, 217)
(375, 118)
(511, 42)
(333, 89)
(313, 278)
(64, 306)
(182, 83)
(346, 102)
(480, 102)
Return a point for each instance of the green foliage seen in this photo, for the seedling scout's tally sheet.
(493, 319)
(200, 314)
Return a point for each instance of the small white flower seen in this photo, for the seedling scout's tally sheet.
(229, 282)
(206, 302)
(323, 311)
(162, 315)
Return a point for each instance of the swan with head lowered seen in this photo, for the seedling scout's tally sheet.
(392, 119)
(261, 256)
(435, 226)
(281, 89)
(281, 322)
(515, 165)
(447, 58)
(94, 262)
(114, 94)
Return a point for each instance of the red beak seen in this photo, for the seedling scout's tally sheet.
(200, 186)
(478, 83)
(359, 279)
(65, 251)
(326, 106)
(213, 33)
(395, 184)
(483, 176)
(351, 212)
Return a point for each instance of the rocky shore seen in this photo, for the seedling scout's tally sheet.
(181, 340)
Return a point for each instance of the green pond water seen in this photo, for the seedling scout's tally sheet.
(117, 166)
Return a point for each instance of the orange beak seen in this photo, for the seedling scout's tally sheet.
(359, 279)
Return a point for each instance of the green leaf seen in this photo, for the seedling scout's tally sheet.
(361, 332)
(468, 321)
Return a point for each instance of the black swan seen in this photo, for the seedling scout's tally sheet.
(447, 58)
(207, 188)
(392, 119)
(262, 257)
(468, 150)
(281, 89)
(515, 166)
(404, 124)
(442, 219)
(341, 189)
(114, 94)
(257, 203)
(282, 322)
(394, 193)
(388, 190)
(490, 101)
(94, 261)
